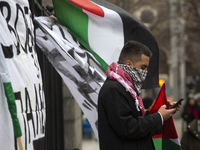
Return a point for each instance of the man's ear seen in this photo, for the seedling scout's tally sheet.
(129, 63)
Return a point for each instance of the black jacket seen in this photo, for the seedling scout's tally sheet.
(191, 137)
(189, 116)
(121, 125)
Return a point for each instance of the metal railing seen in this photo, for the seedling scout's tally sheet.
(52, 84)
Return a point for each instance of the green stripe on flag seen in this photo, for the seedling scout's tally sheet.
(12, 108)
(157, 143)
(165, 144)
(73, 17)
(76, 21)
(170, 145)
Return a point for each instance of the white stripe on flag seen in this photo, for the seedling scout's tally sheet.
(177, 141)
(108, 38)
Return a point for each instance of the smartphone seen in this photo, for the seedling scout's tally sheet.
(177, 103)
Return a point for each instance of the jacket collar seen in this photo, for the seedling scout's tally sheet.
(192, 128)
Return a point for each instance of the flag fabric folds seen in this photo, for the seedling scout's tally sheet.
(168, 140)
(79, 70)
(103, 28)
(9, 94)
(20, 80)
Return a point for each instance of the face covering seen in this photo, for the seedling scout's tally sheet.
(115, 72)
(138, 76)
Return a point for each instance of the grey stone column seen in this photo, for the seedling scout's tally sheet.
(72, 115)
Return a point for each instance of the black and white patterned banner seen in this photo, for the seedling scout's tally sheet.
(17, 42)
(78, 68)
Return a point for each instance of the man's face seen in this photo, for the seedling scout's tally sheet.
(141, 64)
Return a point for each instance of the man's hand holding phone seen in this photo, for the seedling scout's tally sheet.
(167, 113)
(176, 104)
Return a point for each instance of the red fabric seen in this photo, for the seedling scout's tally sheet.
(121, 72)
(169, 130)
(194, 111)
(89, 6)
(124, 78)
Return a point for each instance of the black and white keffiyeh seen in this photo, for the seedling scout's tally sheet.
(117, 73)
(138, 76)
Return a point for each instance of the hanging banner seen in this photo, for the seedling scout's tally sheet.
(79, 70)
(18, 50)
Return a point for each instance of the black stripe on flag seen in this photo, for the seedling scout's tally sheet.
(136, 30)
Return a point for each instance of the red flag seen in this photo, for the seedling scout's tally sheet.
(168, 140)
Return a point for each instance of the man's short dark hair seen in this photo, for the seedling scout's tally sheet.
(132, 51)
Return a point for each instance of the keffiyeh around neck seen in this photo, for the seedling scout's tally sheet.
(117, 73)
(138, 76)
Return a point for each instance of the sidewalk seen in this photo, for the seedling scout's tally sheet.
(92, 144)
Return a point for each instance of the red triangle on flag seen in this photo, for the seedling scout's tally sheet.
(169, 130)
(89, 6)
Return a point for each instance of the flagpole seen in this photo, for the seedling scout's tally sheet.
(20, 144)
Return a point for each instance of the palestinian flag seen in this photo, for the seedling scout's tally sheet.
(103, 28)
(168, 140)
(4, 76)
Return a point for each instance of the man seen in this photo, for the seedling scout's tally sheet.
(191, 138)
(121, 114)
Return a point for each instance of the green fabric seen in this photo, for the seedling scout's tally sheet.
(157, 143)
(170, 145)
(12, 108)
(76, 21)
(73, 18)
(165, 144)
